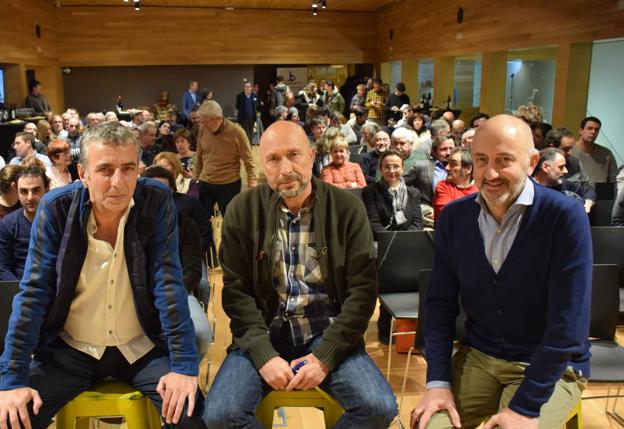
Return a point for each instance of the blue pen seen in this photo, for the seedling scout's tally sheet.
(299, 366)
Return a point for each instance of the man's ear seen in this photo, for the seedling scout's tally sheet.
(83, 175)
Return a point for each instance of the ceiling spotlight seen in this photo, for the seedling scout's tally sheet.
(125, 1)
(137, 5)
(324, 4)
(314, 10)
(314, 4)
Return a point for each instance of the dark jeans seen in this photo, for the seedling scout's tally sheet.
(248, 126)
(356, 384)
(59, 373)
(210, 193)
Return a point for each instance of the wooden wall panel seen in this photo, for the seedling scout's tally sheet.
(175, 36)
(429, 29)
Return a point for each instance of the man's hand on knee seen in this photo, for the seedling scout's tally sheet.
(277, 373)
(308, 376)
(14, 407)
(434, 400)
(175, 389)
(509, 419)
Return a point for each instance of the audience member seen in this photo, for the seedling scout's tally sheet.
(36, 100)
(190, 248)
(305, 98)
(562, 138)
(467, 138)
(530, 113)
(93, 120)
(457, 130)
(359, 119)
(147, 142)
(182, 140)
(358, 101)
(458, 182)
(597, 161)
(407, 114)
(281, 112)
(221, 146)
(57, 125)
(478, 119)
(550, 172)
(111, 117)
(525, 356)
(73, 134)
(336, 120)
(31, 128)
(422, 138)
(402, 141)
(395, 101)
(540, 129)
(191, 99)
(44, 132)
(184, 184)
(340, 172)
(617, 215)
(334, 100)
(60, 156)
(246, 107)
(163, 105)
(171, 117)
(9, 200)
(32, 183)
(164, 136)
(376, 103)
(369, 131)
(137, 119)
(24, 145)
(307, 341)
(448, 116)
(123, 233)
(370, 162)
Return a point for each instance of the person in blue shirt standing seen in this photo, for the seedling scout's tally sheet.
(190, 99)
(518, 257)
(247, 105)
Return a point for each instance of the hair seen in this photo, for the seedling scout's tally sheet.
(158, 171)
(400, 87)
(469, 132)
(330, 83)
(554, 136)
(32, 84)
(336, 116)
(161, 124)
(402, 133)
(545, 127)
(146, 126)
(323, 111)
(111, 117)
(590, 119)
(530, 113)
(378, 80)
(108, 134)
(42, 127)
(184, 133)
(280, 78)
(27, 137)
(438, 126)
(360, 111)
(292, 112)
(331, 135)
(360, 86)
(435, 143)
(466, 156)
(340, 142)
(7, 177)
(372, 127)
(172, 159)
(422, 117)
(33, 171)
(388, 153)
(547, 155)
(211, 108)
(477, 116)
(317, 120)
(56, 147)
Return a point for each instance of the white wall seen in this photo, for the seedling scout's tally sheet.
(606, 93)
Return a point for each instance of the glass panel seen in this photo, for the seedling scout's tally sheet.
(425, 79)
(467, 87)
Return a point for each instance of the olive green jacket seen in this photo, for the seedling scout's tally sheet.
(344, 247)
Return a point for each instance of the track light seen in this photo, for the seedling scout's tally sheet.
(137, 5)
(314, 10)
(324, 4)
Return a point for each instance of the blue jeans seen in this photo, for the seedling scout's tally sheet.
(356, 384)
(59, 373)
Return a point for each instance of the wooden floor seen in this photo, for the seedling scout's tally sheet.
(302, 418)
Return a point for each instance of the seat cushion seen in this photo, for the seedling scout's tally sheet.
(606, 362)
(401, 305)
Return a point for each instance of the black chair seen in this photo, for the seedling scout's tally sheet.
(601, 213)
(8, 289)
(608, 248)
(606, 191)
(607, 357)
(400, 257)
(357, 157)
(355, 149)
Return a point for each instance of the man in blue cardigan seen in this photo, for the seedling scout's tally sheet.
(518, 257)
(102, 294)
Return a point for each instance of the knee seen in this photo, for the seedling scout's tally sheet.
(380, 409)
(226, 417)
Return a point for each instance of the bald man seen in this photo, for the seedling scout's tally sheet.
(299, 288)
(518, 258)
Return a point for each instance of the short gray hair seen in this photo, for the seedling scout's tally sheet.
(108, 134)
(211, 108)
(402, 133)
(146, 126)
(438, 126)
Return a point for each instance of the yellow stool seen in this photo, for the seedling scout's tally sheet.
(298, 398)
(575, 418)
(109, 399)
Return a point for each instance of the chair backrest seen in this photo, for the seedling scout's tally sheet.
(608, 247)
(601, 213)
(355, 191)
(605, 191)
(357, 158)
(400, 256)
(605, 302)
(353, 149)
(8, 289)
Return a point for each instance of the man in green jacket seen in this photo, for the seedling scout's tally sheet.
(299, 280)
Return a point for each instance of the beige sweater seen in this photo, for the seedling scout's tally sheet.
(219, 154)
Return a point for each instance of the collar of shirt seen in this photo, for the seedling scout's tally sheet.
(524, 199)
(92, 224)
(305, 209)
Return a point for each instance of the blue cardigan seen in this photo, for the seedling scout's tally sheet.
(58, 246)
(535, 310)
(14, 238)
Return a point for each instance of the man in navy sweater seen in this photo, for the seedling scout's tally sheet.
(518, 257)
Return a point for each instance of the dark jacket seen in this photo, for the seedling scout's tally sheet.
(378, 203)
(58, 247)
(14, 238)
(420, 176)
(240, 107)
(344, 248)
(190, 252)
(370, 164)
(617, 216)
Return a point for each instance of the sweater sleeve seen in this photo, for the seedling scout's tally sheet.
(370, 202)
(198, 163)
(442, 197)
(359, 176)
(6, 251)
(244, 148)
(569, 296)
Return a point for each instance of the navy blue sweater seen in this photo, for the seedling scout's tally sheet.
(14, 239)
(535, 310)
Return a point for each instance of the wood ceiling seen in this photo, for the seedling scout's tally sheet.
(332, 5)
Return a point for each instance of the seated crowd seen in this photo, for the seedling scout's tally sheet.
(298, 255)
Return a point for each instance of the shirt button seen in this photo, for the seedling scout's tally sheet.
(498, 231)
(495, 261)
(293, 248)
